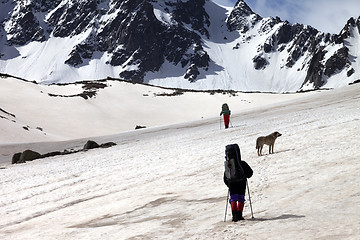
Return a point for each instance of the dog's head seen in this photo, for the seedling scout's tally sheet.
(276, 134)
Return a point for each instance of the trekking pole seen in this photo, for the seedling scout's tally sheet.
(220, 122)
(230, 123)
(250, 199)
(227, 201)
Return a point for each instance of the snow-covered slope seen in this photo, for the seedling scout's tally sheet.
(36, 112)
(186, 44)
(166, 182)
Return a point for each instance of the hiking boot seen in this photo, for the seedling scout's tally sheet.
(240, 216)
(235, 216)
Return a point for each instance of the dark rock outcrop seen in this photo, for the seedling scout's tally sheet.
(27, 27)
(260, 62)
(107, 145)
(16, 157)
(139, 127)
(337, 61)
(90, 145)
(315, 72)
(30, 155)
(239, 17)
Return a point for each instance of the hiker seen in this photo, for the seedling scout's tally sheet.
(237, 188)
(226, 111)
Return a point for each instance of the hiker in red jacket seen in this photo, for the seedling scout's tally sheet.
(226, 112)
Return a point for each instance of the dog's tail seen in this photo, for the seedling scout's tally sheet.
(257, 144)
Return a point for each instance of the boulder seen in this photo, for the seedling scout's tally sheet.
(139, 127)
(90, 145)
(16, 158)
(107, 145)
(52, 154)
(28, 155)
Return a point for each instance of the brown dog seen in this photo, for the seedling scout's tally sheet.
(268, 140)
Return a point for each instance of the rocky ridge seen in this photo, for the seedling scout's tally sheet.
(138, 40)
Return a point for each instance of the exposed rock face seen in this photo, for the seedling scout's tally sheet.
(337, 61)
(260, 62)
(315, 72)
(131, 34)
(242, 17)
(304, 44)
(299, 41)
(26, 27)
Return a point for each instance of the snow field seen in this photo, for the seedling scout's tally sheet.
(117, 108)
(166, 182)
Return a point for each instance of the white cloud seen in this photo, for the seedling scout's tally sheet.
(329, 15)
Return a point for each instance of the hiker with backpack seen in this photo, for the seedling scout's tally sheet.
(226, 111)
(235, 178)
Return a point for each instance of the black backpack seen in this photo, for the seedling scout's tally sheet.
(234, 172)
(225, 107)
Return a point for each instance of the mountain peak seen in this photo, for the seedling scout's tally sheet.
(347, 30)
(242, 17)
(243, 7)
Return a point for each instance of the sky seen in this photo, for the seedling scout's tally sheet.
(325, 15)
